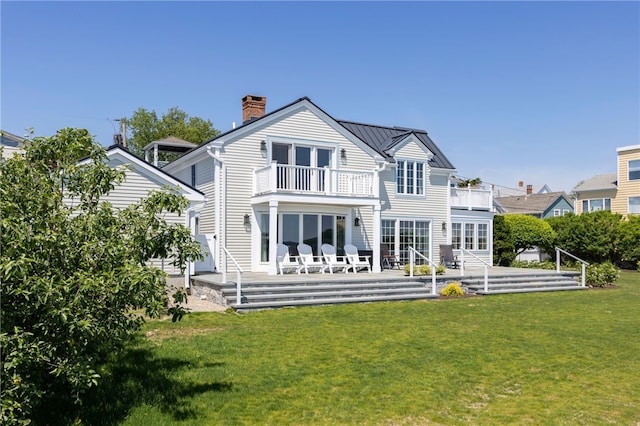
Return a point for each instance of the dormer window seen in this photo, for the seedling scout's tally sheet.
(410, 177)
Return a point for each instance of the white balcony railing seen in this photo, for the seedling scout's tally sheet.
(470, 198)
(284, 178)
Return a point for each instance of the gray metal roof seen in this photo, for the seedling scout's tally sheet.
(382, 138)
(599, 182)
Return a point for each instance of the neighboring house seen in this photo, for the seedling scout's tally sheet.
(10, 144)
(551, 204)
(618, 192)
(297, 175)
(142, 177)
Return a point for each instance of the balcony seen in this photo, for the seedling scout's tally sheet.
(288, 179)
(471, 199)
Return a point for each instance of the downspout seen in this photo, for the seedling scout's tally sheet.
(190, 265)
(220, 200)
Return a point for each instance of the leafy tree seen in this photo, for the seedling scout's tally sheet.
(144, 126)
(593, 237)
(528, 232)
(75, 284)
(628, 241)
(503, 248)
(469, 182)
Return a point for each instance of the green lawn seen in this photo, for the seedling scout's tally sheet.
(539, 358)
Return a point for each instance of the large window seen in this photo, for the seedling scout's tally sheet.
(470, 235)
(410, 177)
(634, 170)
(596, 204)
(634, 205)
(399, 235)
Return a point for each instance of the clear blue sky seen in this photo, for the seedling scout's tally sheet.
(541, 92)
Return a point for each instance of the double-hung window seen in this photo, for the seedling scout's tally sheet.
(410, 177)
(634, 170)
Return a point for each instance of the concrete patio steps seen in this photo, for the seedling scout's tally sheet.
(270, 295)
(529, 283)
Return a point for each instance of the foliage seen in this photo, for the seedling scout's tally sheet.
(528, 232)
(600, 275)
(599, 236)
(145, 127)
(469, 182)
(546, 264)
(638, 266)
(504, 251)
(423, 269)
(74, 277)
(452, 289)
(628, 241)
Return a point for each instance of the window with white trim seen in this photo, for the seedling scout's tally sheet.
(410, 177)
(483, 236)
(470, 235)
(469, 232)
(596, 204)
(634, 170)
(400, 234)
(456, 235)
(634, 205)
(556, 212)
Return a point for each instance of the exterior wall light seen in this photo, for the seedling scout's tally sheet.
(263, 149)
(444, 227)
(343, 156)
(356, 222)
(247, 220)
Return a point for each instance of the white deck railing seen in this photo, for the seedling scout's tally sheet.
(412, 261)
(484, 263)
(583, 262)
(239, 272)
(470, 198)
(286, 178)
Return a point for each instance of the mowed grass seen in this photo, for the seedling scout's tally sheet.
(538, 358)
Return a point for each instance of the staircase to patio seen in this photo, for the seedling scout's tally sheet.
(260, 291)
(531, 282)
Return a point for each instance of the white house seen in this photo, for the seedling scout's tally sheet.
(142, 177)
(298, 175)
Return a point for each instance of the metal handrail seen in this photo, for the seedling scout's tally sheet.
(584, 264)
(412, 257)
(239, 272)
(486, 267)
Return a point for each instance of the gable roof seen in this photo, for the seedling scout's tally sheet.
(163, 177)
(9, 139)
(374, 139)
(599, 182)
(531, 204)
(383, 139)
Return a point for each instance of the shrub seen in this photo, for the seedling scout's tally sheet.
(533, 264)
(600, 275)
(452, 289)
(423, 269)
(638, 265)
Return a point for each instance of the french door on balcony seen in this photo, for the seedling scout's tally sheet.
(303, 166)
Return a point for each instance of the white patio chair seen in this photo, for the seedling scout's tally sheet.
(285, 261)
(308, 260)
(332, 260)
(355, 260)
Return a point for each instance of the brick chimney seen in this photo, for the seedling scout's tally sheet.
(253, 107)
(529, 189)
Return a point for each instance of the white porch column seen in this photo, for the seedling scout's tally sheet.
(273, 237)
(376, 238)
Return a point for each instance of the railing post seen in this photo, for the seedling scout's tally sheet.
(462, 263)
(584, 274)
(486, 279)
(272, 182)
(238, 287)
(433, 280)
(411, 261)
(557, 260)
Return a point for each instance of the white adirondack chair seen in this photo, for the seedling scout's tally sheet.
(308, 260)
(355, 260)
(332, 260)
(284, 261)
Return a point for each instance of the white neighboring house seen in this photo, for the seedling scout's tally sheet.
(11, 144)
(297, 175)
(142, 177)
